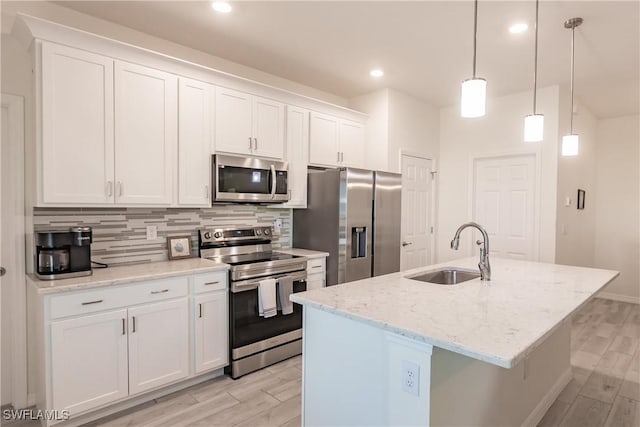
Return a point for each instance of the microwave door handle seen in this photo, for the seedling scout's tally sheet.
(273, 181)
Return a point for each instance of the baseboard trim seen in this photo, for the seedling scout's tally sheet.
(538, 412)
(618, 297)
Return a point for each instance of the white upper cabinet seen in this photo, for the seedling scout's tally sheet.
(248, 125)
(323, 140)
(297, 156)
(76, 154)
(195, 120)
(351, 143)
(146, 117)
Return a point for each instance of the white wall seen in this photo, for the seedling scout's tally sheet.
(376, 105)
(499, 132)
(617, 232)
(74, 19)
(575, 233)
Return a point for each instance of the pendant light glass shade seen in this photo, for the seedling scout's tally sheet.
(534, 128)
(474, 98)
(570, 145)
(534, 123)
(474, 90)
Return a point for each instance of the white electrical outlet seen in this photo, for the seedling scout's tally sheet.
(152, 232)
(411, 377)
(277, 226)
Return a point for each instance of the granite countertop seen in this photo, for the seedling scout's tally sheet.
(128, 274)
(303, 252)
(499, 322)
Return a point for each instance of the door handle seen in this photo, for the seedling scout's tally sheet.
(2, 271)
(406, 244)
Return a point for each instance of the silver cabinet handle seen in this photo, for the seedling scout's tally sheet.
(109, 188)
(338, 157)
(406, 244)
(159, 292)
(2, 271)
(342, 157)
(200, 309)
(250, 144)
(119, 188)
(133, 321)
(211, 283)
(124, 328)
(98, 301)
(316, 266)
(255, 143)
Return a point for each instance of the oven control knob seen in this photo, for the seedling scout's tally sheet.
(267, 231)
(258, 232)
(207, 235)
(217, 234)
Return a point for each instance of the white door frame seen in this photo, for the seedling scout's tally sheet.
(432, 225)
(536, 198)
(16, 273)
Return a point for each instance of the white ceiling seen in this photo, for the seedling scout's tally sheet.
(424, 47)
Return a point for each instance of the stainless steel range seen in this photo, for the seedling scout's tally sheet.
(256, 341)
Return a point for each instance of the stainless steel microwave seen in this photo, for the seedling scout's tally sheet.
(249, 180)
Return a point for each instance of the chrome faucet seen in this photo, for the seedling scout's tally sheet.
(483, 265)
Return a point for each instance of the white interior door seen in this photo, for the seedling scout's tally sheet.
(13, 331)
(416, 212)
(504, 203)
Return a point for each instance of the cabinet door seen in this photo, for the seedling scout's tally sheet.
(351, 143)
(89, 361)
(194, 143)
(146, 117)
(268, 128)
(297, 155)
(158, 344)
(77, 127)
(211, 331)
(233, 122)
(323, 140)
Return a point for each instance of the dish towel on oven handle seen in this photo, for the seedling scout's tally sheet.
(267, 298)
(285, 288)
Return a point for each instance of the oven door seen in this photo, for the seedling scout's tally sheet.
(242, 179)
(250, 333)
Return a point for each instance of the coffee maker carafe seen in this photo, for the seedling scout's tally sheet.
(62, 254)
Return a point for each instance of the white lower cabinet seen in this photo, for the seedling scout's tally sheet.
(211, 331)
(89, 364)
(158, 344)
(316, 273)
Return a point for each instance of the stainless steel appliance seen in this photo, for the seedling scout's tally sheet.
(354, 214)
(255, 341)
(249, 180)
(62, 254)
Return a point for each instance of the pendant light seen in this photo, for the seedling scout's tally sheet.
(571, 142)
(474, 90)
(534, 123)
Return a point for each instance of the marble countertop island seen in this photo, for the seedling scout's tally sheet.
(128, 274)
(499, 322)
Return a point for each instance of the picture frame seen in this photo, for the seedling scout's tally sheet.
(179, 247)
(580, 203)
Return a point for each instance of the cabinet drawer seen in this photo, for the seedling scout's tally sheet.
(210, 282)
(121, 296)
(315, 265)
(315, 281)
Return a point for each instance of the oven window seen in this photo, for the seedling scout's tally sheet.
(243, 180)
(247, 327)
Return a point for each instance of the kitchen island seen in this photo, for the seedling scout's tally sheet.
(395, 351)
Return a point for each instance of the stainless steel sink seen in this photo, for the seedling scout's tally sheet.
(446, 276)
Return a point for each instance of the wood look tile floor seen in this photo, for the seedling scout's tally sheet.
(604, 391)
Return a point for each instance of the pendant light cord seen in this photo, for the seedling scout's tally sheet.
(535, 66)
(573, 39)
(475, 35)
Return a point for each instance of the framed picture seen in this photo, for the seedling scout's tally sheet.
(580, 204)
(179, 247)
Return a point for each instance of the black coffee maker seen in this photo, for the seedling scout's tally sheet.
(62, 254)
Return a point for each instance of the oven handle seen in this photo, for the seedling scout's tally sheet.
(273, 181)
(248, 285)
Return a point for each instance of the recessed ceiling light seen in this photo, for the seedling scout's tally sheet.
(221, 6)
(376, 73)
(518, 28)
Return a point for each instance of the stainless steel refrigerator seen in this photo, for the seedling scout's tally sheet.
(354, 214)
